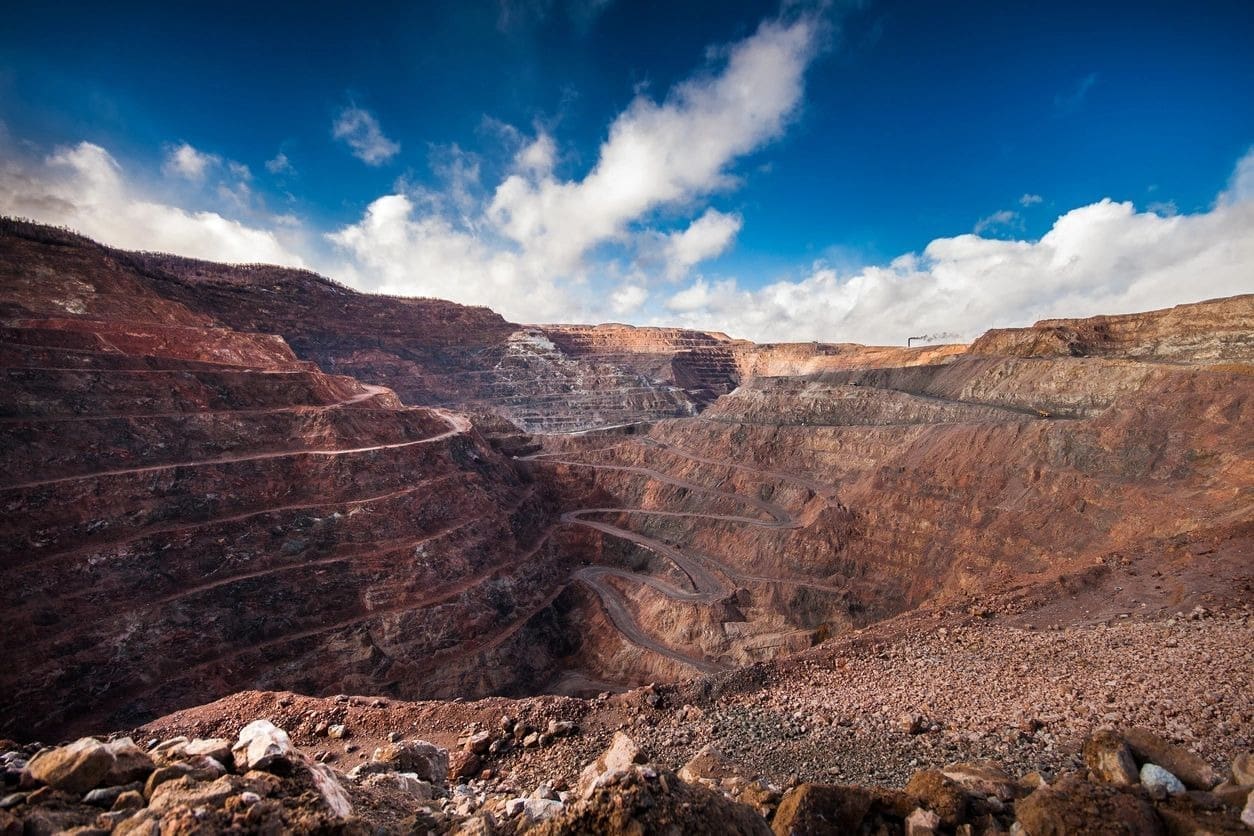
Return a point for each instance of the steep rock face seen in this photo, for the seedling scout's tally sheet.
(190, 510)
(797, 507)
(428, 351)
(1218, 329)
(707, 365)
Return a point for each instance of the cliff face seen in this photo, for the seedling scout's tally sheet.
(797, 507)
(1216, 330)
(191, 510)
(428, 351)
(707, 365)
(209, 487)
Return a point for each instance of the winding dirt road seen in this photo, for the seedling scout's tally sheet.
(709, 578)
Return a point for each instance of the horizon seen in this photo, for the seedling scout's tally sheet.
(774, 173)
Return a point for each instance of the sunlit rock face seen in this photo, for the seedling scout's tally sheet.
(220, 478)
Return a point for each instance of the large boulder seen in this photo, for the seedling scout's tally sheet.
(641, 800)
(75, 768)
(1243, 769)
(1075, 807)
(188, 792)
(813, 809)
(829, 808)
(1195, 772)
(130, 763)
(710, 766)
(425, 760)
(263, 745)
(621, 754)
(983, 779)
(941, 795)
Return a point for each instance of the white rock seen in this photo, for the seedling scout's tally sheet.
(262, 744)
(332, 793)
(540, 809)
(621, 754)
(1159, 781)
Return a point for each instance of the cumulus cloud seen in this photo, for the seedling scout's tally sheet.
(85, 188)
(360, 130)
(188, 163)
(524, 247)
(662, 153)
(1106, 257)
(708, 236)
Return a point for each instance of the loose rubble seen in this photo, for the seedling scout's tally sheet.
(177, 786)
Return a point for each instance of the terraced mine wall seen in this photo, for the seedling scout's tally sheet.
(194, 508)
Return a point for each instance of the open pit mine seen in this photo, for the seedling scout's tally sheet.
(280, 556)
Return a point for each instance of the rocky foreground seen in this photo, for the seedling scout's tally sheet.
(1131, 781)
(935, 722)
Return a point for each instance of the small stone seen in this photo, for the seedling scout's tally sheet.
(105, 796)
(536, 810)
(328, 785)
(532, 740)
(249, 797)
(339, 731)
(203, 768)
(912, 723)
(478, 743)
(218, 748)
(189, 792)
(129, 800)
(1159, 782)
(1247, 815)
(1109, 757)
(560, 728)
(12, 800)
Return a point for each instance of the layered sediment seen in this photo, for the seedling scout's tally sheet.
(223, 478)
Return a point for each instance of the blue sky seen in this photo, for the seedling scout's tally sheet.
(842, 171)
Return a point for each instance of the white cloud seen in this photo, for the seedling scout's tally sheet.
(662, 154)
(1102, 258)
(360, 130)
(186, 162)
(628, 299)
(84, 187)
(707, 237)
(525, 249)
(537, 157)
(1241, 183)
(1005, 220)
(1030, 200)
(279, 164)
